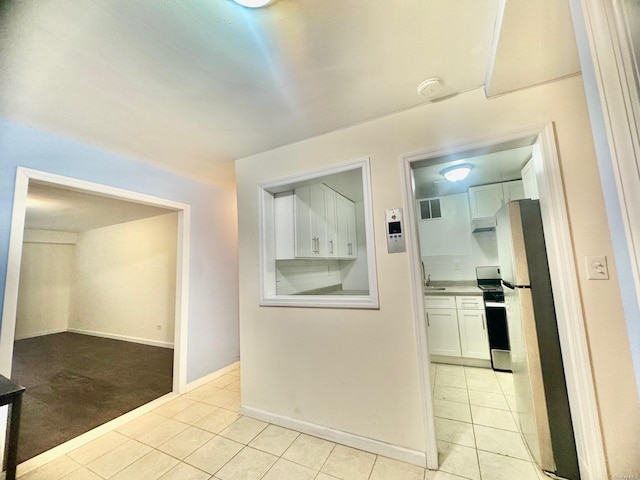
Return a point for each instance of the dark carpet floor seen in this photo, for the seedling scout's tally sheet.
(77, 382)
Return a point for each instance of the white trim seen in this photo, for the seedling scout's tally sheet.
(23, 176)
(338, 436)
(125, 338)
(41, 334)
(581, 390)
(266, 249)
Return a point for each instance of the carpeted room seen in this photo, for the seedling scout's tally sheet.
(95, 315)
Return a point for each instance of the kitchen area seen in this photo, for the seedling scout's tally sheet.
(489, 309)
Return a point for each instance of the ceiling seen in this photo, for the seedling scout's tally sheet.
(68, 210)
(189, 86)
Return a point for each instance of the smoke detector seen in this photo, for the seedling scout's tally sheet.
(430, 87)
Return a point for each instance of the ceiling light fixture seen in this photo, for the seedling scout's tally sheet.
(457, 172)
(254, 3)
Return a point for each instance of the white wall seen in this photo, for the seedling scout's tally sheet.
(357, 371)
(45, 284)
(449, 250)
(124, 281)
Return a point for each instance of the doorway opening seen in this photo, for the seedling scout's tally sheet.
(538, 144)
(113, 267)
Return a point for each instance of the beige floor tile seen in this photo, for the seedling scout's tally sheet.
(158, 434)
(244, 429)
(235, 372)
(488, 399)
(451, 410)
(140, 425)
(81, 474)
(389, 469)
(444, 369)
(150, 467)
(452, 394)
(249, 464)
(480, 373)
(309, 451)
(235, 385)
(194, 413)
(174, 406)
(223, 381)
(218, 420)
(506, 383)
(511, 401)
(286, 470)
(274, 440)
(452, 431)
(233, 405)
(54, 470)
(186, 442)
(501, 442)
(484, 385)
(451, 380)
(201, 393)
(492, 417)
(119, 458)
(499, 467)
(220, 397)
(182, 471)
(458, 460)
(324, 476)
(98, 447)
(349, 464)
(212, 456)
(440, 475)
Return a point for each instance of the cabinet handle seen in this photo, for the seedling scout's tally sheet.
(350, 249)
(331, 247)
(483, 323)
(428, 320)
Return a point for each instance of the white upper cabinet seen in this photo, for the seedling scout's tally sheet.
(346, 227)
(314, 221)
(486, 200)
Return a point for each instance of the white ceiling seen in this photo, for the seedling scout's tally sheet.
(191, 85)
(68, 210)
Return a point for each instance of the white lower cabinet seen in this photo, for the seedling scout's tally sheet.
(456, 326)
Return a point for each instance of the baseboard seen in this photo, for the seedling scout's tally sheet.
(40, 334)
(468, 362)
(125, 338)
(344, 438)
(212, 376)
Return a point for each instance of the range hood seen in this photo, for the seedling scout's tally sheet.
(484, 224)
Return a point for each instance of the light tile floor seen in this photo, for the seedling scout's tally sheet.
(201, 436)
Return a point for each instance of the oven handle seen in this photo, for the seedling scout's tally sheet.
(494, 304)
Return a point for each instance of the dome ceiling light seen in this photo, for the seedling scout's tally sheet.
(254, 3)
(430, 87)
(457, 172)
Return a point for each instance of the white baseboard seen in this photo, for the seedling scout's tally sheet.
(212, 376)
(41, 334)
(349, 439)
(115, 336)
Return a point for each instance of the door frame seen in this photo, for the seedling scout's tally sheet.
(9, 309)
(564, 279)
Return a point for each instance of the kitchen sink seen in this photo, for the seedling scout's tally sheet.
(435, 288)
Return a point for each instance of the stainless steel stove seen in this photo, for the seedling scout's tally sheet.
(489, 279)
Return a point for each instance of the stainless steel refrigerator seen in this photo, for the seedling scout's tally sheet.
(541, 392)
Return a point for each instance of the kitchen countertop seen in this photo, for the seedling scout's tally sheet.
(461, 288)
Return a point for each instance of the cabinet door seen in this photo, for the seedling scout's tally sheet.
(442, 331)
(331, 237)
(474, 341)
(310, 232)
(513, 190)
(529, 183)
(346, 227)
(485, 200)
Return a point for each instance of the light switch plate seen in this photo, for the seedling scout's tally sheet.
(597, 267)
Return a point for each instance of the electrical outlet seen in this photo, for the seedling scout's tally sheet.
(597, 267)
(456, 264)
(158, 327)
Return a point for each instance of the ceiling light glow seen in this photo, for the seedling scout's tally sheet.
(457, 172)
(254, 3)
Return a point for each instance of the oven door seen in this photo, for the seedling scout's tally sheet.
(498, 334)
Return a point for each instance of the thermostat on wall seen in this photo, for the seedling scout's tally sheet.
(395, 231)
